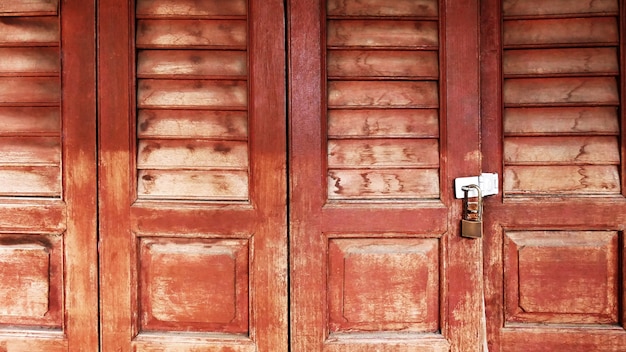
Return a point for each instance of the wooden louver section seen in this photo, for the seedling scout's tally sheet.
(30, 128)
(383, 100)
(192, 100)
(561, 97)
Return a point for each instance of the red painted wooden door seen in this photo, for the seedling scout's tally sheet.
(554, 127)
(384, 114)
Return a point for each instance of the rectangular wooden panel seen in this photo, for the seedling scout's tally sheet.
(570, 179)
(31, 91)
(29, 7)
(30, 181)
(198, 185)
(30, 120)
(571, 90)
(30, 151)
(590, 30)
(561, 121)
(192, 33)
(24, 31)
(377, 153)
(560, 61)
(191, 63)
(406, 123)
(383, 284)
(194, 285)
(381, 184)
(192, 93)
(29, 61)
(191, 123)
(561, 150)
(415, 94)
(381, 63)
(558, 7)
(189, 8)
(379, 33)
(382, 8)
(562, 277)
(31, 280)
(185, 154)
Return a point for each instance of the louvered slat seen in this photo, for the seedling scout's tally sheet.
(25, 31)
(383, 99)
(29, 7)
(192, 99)
(561, 97)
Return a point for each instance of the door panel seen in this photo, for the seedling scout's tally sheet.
(193, 232)
(554, 126)
(48, 280)
(381, 122)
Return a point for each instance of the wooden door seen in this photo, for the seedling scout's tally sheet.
(192, 175)
(554, 127)
(384, 114)
(48, 256)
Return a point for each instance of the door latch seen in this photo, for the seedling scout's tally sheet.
(472, 221)
(488, 183)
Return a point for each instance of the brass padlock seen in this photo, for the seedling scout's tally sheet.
(472, 221)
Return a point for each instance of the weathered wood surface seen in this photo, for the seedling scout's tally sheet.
(373, 33)
(383, 184)
(391, 123)
(29, 31)
(190, 8)
(29, 7)
(30, 91)
(567, 179)
(561, 121)
(389, 94)
(184, 154)
(366, 8)
(223, 34)
(574, 61)
(561, 150)
(569, 31)
(192, 124)
(555, 91)
(29, 61)
(377, 153)
(368, 63)
(558, 7)
(191, 63)
(193, 184)
(192, 94)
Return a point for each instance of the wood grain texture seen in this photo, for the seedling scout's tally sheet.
(191, 33)
(382, 8)
(193, 184)
(561, 150)
(192, 123)
(29, 31)
(560, 61)
(574, 90)
(381, 153)
(29, 7)
(567, 179)
(576, 31)
(29, 61)
(30, 91)
(30, 151)
(190, 8)
(415, 94)
(192, 93)
(369, 63)
(186, 154)
(379, 33)
(394, 123)
(557, 7)
(191, 63)
(383, 184)
(561, 121)
(561, 277)
(30, 181)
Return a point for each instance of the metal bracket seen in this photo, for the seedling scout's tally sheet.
(488, 183)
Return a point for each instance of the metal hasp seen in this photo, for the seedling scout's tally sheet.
(472, 221)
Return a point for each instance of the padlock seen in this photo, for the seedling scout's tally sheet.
(472, 221)
(471, 228)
